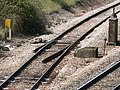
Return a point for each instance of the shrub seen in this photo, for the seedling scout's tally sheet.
(26, 18)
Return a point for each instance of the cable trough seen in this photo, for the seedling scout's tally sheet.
(58, 56)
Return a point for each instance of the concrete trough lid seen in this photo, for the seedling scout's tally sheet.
(87, 52)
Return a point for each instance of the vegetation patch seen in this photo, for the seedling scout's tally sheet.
(28, 16)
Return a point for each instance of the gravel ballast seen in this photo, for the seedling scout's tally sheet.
(72, 74)
(73, 81)
(96, 39)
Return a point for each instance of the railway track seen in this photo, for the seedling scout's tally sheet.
(46, 53)
(117, 87)
(105, 80)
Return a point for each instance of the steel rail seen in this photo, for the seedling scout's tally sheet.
(117, 87)
(54, 55)
(100, 76)
(86, 19)
(88, 84)
(41, 49)
(78, 24)
(50, 58)
(52, 67)
(45, 45)
(22, 67)
(66, 51)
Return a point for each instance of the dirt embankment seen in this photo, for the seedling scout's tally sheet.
(62, 16)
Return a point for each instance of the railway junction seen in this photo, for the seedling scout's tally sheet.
(85, 55)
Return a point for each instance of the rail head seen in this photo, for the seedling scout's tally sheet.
(48, 71)
(64, 52)
(117, 87)
(100, 76)
(49, 43)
